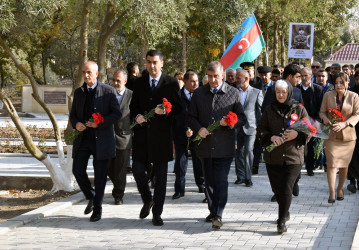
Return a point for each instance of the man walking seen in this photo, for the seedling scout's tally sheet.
(152, 141)
(95, 139)
(118, 165)
(211, 103)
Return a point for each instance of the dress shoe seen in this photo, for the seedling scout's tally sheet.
(255, 170)
(273, 199)
(201, 190)
(281, 228)
(217, 222)
(351, 187)
(340, 198)
(358, 184)
(310, 173)
(177, 196)
(145, 211)
(248, 183)
(295, 190)
(89, 207)
(331, 201)
(205, 200)
(287, 218)
(157, 220)
(209, 218)
(239, 181)
(118, 201)
(96, 215)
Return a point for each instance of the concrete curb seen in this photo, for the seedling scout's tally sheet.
(44, 211)
(355, 243)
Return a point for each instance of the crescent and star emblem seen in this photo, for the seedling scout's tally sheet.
(240, 47)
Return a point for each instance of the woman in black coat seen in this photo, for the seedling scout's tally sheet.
(285, 161)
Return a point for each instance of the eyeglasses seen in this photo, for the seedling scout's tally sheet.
(315, 67)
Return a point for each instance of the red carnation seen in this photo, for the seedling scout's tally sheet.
(231, 119)
(167, 105)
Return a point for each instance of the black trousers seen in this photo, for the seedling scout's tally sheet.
(282, 179)
(139, 170)
(117, 172)
(257, 153)
(79, 168)
(216, 179)
(181, 165)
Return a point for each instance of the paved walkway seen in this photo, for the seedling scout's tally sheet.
(249, 221)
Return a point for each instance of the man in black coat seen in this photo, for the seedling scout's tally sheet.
(133, 72)
(118, 166)
(152, 141)
(312, 99)
(97, 140)
(181, 135)
(211, 103)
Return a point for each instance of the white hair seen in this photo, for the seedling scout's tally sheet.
(309, 70)
(231, 70)
(213, 66)
(281, 84)
(205, 78)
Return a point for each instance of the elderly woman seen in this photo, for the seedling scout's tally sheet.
(340, 145)
(285, 161)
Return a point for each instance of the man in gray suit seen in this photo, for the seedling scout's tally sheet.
(118, 165)
(251, 100)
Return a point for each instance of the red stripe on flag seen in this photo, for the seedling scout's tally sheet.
(241, 46)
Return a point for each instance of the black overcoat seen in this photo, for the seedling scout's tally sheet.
(106, 103)
(152, 141)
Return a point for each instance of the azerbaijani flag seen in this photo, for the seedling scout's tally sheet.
(245, 46)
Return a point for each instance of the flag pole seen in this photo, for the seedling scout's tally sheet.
(265, 47)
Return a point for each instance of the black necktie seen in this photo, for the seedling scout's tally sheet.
(153, 86)
(215, 91)
(190, 96)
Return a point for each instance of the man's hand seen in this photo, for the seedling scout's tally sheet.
(140, 119)
(290, 134)
(277, 140)
(189, 132)
(223, 122)
(80, 126)
(203, 132)
(159, 110)
(91, 125)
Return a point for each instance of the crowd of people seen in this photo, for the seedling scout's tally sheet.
(265, 104)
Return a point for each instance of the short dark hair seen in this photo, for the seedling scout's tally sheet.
(323, 71)
(188, 74)
(290, 69)
(276, 71)
(351, 66)
(131, 67)
(327, 69)
(345, 66)
(356, 66)
(155, 52)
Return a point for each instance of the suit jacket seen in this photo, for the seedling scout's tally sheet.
(123, 133)
(350, 111)
(315, 99)
(206, 108)
(106, 103)
(131, 82)
(270, 96)
(179, 122)
(259, 85)
(152, 142)
(252, 109)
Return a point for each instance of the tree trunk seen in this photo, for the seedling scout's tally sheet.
(224, 38)
(282, 49)
(44, 63)
(143, 44)
(2, 75)
(107, 30)
(59, 177)
(184, 51)
(275, 43)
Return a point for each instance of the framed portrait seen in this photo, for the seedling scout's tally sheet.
(301, 37)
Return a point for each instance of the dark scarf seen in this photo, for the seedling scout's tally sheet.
(284, 107)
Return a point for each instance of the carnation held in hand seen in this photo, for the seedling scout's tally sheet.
(231, 119)
(95, 117)
(166, 105)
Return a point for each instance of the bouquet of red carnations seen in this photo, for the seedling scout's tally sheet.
(308, 126)
(96, 118)
(334, 116)
(231, 119)
(166, 105)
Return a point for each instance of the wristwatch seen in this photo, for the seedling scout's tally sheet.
(347, 123)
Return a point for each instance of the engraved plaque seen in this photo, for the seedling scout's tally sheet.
(55, 97)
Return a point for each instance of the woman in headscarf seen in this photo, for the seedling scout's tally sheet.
(340, 145)
(285, 161)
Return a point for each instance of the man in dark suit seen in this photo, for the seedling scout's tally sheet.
(312, 99)
(133, 72)
(97, 140)
(251, 100)
(118, 165)
(181, 135)
(211, 103)
(152, 141)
